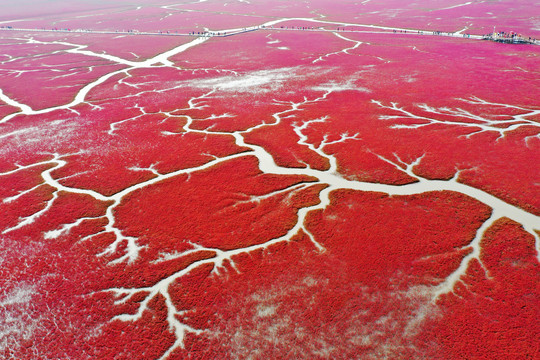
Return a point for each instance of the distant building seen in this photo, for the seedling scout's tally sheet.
(508, 38)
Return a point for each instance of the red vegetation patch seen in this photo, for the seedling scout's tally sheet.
(495, 316)
(282, 142)
(6, 110)
(397, 230)
(183, 204)
(389, 108)
(154, 88)
(347, 301)
(15, 183)
(291, 50)
(15, 211)
(60, 75)
(129, 47)
(94, 170)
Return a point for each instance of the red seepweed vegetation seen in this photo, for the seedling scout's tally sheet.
(164, 229)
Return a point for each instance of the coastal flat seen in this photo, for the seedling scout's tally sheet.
(287, 180)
